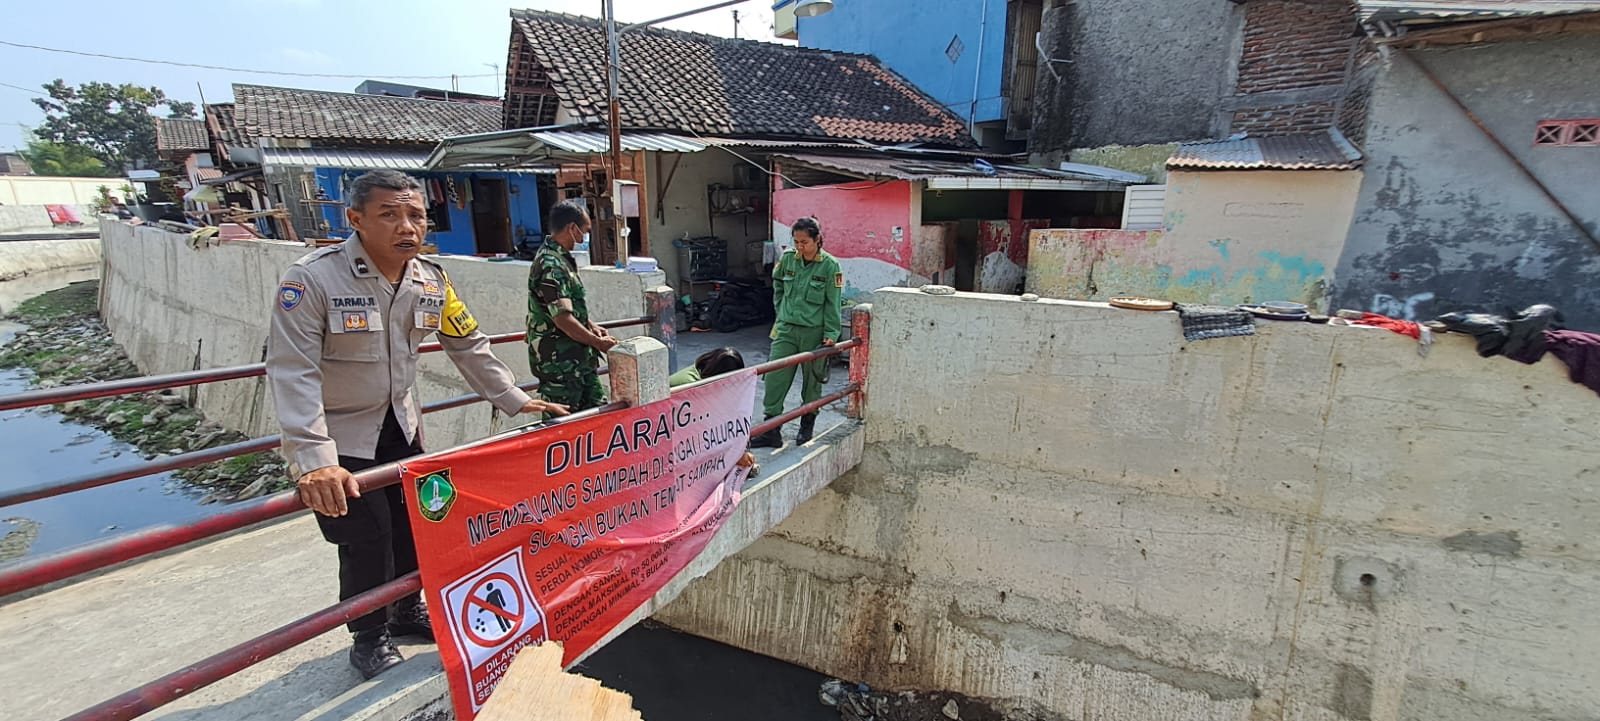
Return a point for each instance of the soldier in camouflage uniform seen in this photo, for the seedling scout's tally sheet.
(564, 346)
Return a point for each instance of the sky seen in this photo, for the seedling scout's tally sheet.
(367, 38)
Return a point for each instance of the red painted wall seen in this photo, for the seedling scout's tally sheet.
(858, 219)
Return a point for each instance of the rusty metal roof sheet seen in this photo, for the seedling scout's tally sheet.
(1433, 11)
(1310, 151)
(965, 175)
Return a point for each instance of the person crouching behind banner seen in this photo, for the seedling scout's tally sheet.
(709, 365)
(342, 365)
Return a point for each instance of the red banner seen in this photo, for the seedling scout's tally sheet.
(560, 533)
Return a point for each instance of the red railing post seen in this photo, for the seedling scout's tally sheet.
(861, 330)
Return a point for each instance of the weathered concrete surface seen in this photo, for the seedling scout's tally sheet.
(76, 645)
(25, 257)
(1096, 519)
(1132, 76)
(1230, 237)
(18, 219)
(169, 304)
(1446, 222)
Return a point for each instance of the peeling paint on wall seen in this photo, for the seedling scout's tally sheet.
(1446, 222)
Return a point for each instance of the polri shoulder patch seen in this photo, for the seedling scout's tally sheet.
(289, 294)
(838, 280)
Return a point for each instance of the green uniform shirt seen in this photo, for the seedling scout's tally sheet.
(807, 294)
(552, 277)
(684, 377)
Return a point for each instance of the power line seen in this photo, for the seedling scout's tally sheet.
(19, 87)
(241, 70)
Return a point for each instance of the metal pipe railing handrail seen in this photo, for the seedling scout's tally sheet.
(76, 561)
(216, 667)
(813, 406)
(145, 384)
(193, 458)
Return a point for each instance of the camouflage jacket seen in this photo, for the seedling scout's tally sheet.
(553, 276)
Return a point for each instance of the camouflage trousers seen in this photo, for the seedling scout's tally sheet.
(577, 388)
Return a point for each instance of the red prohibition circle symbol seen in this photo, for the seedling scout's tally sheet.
(510, 620)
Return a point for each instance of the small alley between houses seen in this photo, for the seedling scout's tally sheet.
(981, 360)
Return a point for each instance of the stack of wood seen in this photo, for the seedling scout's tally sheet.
(536, 689)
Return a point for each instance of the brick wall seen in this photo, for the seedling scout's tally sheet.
(1285, 119)
(1358, 93)
(1294, 45)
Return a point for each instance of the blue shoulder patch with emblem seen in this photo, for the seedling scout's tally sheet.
(289, 295)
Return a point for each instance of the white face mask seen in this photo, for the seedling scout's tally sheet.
(585, 240)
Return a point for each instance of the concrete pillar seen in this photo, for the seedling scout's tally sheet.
(639, 370)
(662, 303)
(861, 330)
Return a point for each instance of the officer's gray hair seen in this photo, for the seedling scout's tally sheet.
(362, 188)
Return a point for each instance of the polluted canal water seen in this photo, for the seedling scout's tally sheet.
(39, 445)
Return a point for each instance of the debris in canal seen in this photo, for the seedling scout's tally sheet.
(858, 702)
(17, 541)
(65, 343)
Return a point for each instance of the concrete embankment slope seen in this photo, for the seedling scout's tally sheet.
(1067, 506)
(174, 307)
(26, 257)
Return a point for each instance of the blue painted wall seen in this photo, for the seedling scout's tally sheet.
(911, 37)
(523, 201)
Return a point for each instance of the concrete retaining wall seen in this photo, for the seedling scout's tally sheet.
(173, 307)
(1066, 506)
(35, 219)
(24, 257)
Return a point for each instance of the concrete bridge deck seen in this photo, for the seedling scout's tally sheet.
(80, 643)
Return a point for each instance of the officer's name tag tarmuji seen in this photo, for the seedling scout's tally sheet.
(354, 321)
(289, 294)
(352, 302)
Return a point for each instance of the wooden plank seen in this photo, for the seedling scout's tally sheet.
(535, 688)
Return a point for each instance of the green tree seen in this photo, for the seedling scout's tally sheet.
(112, 122)
(60, 159)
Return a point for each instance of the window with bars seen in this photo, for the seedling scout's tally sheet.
(1567, 133)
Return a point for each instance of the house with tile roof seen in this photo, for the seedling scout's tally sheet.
(185, 145)
(711, 130)
(300, 149)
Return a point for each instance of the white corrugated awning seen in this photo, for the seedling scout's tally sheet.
(351, 158)
(545, 147)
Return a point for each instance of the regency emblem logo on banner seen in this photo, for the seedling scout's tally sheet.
(560, 533)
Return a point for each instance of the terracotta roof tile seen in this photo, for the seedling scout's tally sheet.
(181, 134)
(689, 82)
(268, 112)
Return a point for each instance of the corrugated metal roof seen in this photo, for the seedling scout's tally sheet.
(1311, 151)
(971, 175)
(1427, 11)
(351, 158)
(598, 141)
(207, 173)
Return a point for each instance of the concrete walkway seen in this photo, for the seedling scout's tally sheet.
(79, 644)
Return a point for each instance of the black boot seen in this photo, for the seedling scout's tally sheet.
(770, 439)
(411, 619)
(373, 653)
(808, 425)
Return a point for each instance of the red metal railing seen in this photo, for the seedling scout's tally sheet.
(143, 384)
(192, 458)
(168, 688)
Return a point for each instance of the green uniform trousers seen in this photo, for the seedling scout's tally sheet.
(792, 339)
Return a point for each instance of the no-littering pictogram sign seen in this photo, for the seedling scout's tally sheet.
(492, 607)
